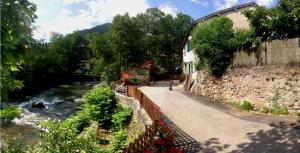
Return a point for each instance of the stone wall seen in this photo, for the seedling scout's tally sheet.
(138, 111)
(257, 85)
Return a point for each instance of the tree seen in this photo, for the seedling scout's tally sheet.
(16, 19)
(125, 39)
(130, 41)
(163, 36)
(279, 22)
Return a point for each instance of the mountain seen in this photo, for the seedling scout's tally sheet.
(101, 29)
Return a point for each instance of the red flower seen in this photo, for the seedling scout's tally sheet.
(161, 122)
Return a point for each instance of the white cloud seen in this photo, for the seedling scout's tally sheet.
(264, 2)
(168, 8)
(64, 23)
(223, 4)
(204, 3)
(105, 10)
(73, 1)
(97, 12)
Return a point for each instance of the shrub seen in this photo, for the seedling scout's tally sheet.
(100, 104)
(78, 121)
(118, 143)
(282, 110)
(264, 109)
(121, 117)
(59, 138)
(142, 71)
(13, 145)
(247, 106)
(9, 113)
(213, 43)
(244, 105)
(277, 110)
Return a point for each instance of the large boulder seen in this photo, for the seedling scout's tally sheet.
(39, 105)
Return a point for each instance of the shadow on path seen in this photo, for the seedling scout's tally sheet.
(189, 144)
(282, 138)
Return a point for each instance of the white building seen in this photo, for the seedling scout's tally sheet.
(233, 13)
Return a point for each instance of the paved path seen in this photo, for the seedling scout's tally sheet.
(219, 129)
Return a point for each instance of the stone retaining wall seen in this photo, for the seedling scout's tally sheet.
(138, 111)
(257, 85)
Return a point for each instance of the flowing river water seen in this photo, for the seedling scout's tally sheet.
(59, 103)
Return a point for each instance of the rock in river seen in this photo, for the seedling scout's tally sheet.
(78, 100)
(71, 98)
(38, 105)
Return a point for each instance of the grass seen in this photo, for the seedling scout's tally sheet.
(276, 110)
(243, 105)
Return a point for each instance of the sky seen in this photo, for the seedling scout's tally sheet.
(66, 16)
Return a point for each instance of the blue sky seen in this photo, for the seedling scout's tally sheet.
(66, 16)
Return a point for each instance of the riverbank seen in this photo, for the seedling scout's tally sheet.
(56, 106)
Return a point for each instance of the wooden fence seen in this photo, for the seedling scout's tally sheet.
(150, 107)
(146, 140)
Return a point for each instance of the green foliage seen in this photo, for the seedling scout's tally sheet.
(78, 121)
(247, 106)
(13, 145)
(245, 39)
(276, 109)
(16, 19)
(118, 143)
(279, 22)
(130, 41)
(243, 105)
(9, 113)
(283, 110)
(142, 72)
(213, 41)
(59, 138)
(100, 104)
(121, 117)
(264, 109)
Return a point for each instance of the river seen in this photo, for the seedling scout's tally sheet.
(57, 105)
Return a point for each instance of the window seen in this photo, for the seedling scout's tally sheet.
(189, 45)
(190, 68)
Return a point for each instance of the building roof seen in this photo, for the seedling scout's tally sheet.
(218, 13)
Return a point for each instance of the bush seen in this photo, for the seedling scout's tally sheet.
(213, 41)
(78, 121)
(121, 117)
(247, 106)
(277, 110)
(282, 110)
(244, 105)
(142, 71)
(264, 109)
(59, 138)
(13, 145)
(118, 143)
(100, 104)
(9, 113)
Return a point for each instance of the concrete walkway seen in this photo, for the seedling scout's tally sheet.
(219, 129)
